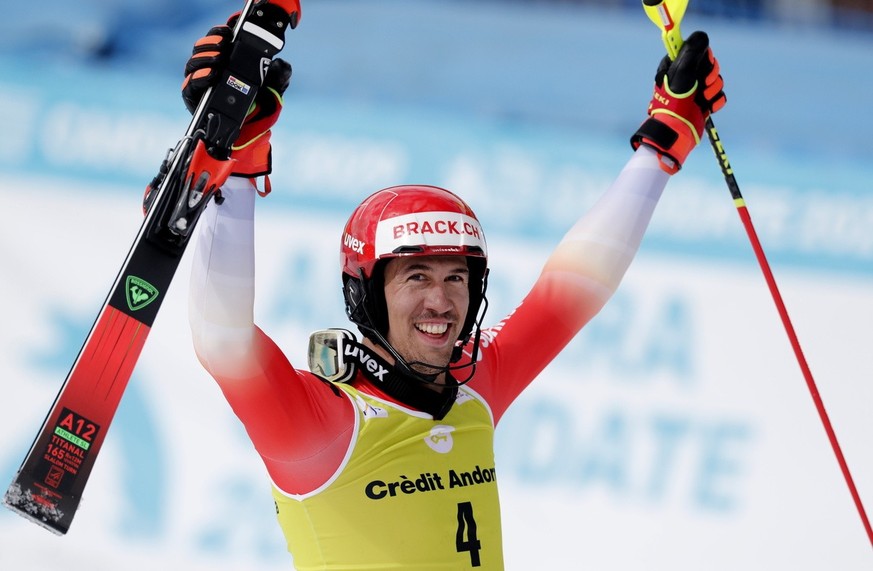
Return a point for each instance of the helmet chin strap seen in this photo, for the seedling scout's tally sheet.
(406, 368)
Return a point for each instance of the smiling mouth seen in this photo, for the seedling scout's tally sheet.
(436, 329)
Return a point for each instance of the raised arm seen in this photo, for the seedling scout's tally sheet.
(299, 424)
(589, 263)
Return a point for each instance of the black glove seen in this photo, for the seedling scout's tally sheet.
(208, 58)
(687, 90)
(252, 149)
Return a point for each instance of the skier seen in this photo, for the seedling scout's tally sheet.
(382, 456)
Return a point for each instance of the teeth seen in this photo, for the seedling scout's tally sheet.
(433, 328)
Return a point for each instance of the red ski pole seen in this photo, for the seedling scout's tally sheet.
(667, 14)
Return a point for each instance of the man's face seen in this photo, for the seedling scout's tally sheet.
(427, 299)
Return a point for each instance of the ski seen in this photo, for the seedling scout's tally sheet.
(47, 488)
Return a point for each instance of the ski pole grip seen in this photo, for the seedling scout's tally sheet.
(667, 14)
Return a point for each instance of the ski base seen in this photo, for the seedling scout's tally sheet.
(48, 487)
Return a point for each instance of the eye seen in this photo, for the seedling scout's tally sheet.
(460, 278)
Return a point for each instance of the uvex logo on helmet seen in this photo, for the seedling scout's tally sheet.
(353, 243)
(439, 231)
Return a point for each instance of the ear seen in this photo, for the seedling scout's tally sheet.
(353, 292)
(365, 302)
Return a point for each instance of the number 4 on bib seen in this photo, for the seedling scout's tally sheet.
(466, 538)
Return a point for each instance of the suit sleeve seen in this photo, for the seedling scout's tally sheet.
(299, 424)
(576, 282)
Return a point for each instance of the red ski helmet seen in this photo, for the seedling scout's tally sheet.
(409, 220)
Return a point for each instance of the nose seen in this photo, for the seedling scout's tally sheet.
(437, 299)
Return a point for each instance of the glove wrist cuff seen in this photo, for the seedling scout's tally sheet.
(670, 136)
(254, 159)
